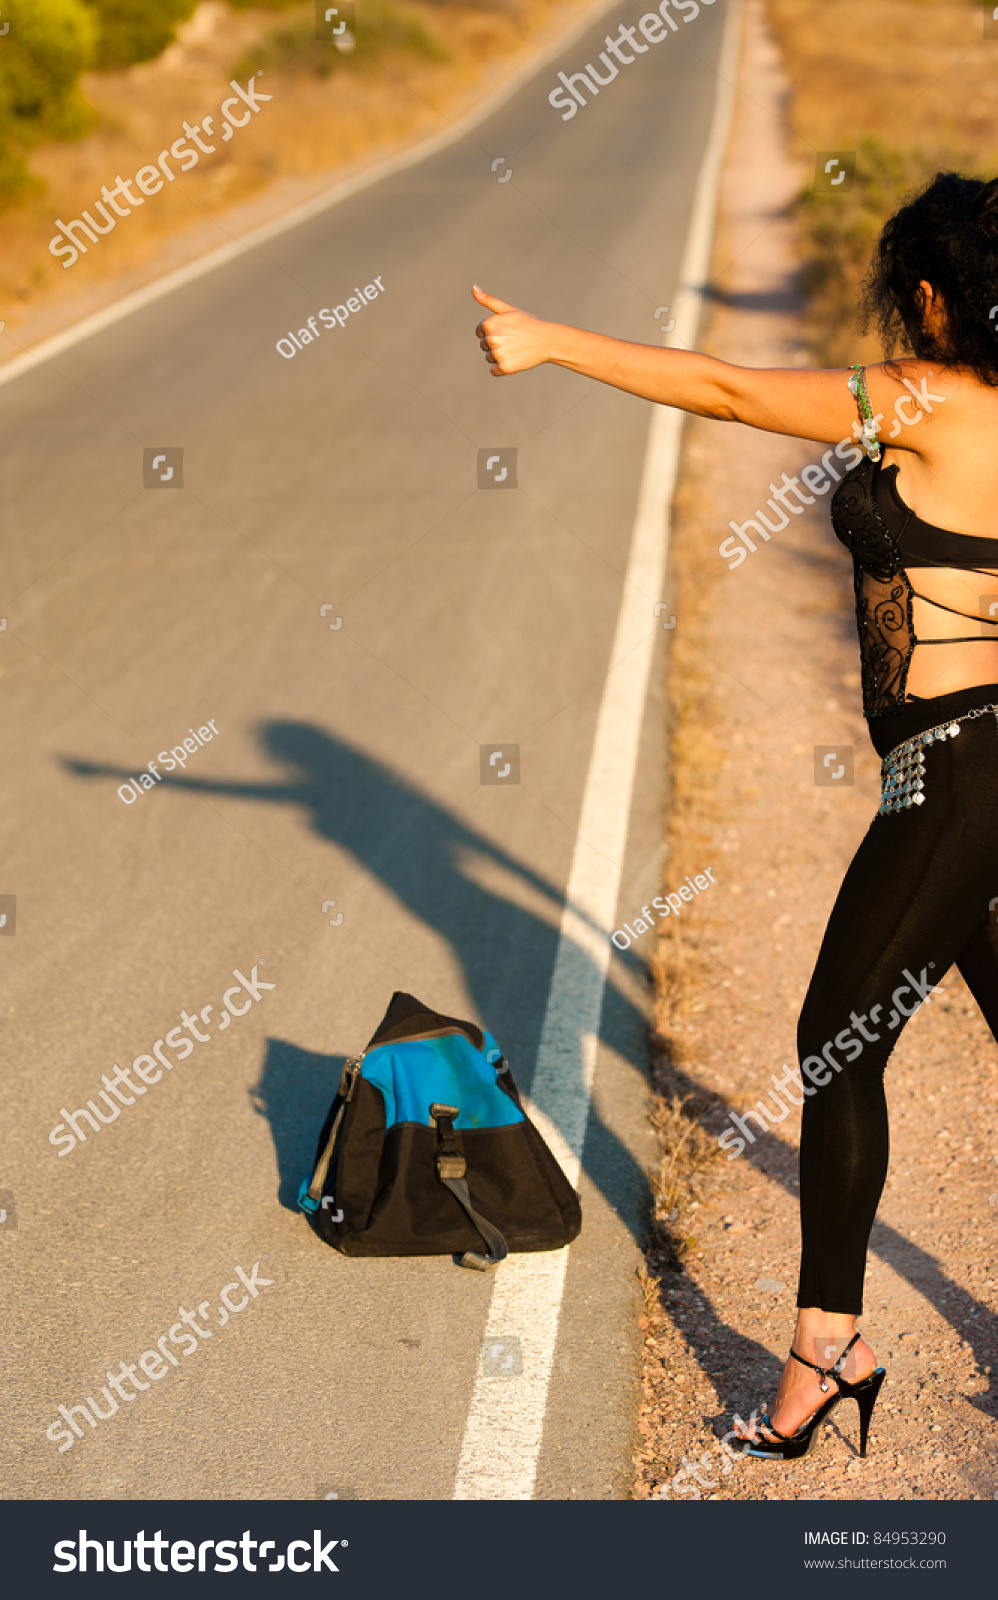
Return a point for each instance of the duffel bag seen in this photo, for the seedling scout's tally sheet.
(427, 1150)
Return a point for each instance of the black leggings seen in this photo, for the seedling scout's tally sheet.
(914, 901)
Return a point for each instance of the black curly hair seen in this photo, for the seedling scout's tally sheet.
(946, 234)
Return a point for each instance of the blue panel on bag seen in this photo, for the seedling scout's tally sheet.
(448, 1071)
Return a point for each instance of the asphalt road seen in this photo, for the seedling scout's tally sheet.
(345, 768)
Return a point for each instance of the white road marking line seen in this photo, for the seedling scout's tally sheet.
(39, 353)
(503, 1435)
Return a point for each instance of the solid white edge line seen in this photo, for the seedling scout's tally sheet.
(505, 1425)
(37, 354)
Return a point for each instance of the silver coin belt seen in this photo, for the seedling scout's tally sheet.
(902, 771)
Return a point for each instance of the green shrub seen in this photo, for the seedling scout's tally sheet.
(841, 230)
(49, 44)
(136, 30)
(382, 30)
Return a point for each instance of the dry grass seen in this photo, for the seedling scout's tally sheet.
(912, 86)
(314, 125)
(688, 1156)
(688, 1153)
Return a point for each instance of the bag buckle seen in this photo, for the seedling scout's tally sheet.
(450, 1161)
(451, 1166)
(445, 1115)
(348, 1080)
(305, 1201)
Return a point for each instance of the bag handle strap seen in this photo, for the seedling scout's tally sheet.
(451, 1170)
(310, 1192)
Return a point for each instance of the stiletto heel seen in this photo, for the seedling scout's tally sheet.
(790, 1446)
(866, 1396)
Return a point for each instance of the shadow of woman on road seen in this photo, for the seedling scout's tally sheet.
(431, 862)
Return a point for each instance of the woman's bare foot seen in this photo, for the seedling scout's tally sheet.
(820, 1337)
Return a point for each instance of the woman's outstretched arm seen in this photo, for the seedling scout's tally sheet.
(807, 404)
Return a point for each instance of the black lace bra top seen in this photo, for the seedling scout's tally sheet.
(884, 537)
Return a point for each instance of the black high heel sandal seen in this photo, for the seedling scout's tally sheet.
(789, 1446)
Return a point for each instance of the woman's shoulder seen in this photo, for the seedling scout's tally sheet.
(934, 381)
(928, 408)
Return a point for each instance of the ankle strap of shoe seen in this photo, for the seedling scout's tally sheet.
(837, 1366)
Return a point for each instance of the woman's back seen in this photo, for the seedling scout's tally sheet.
(944, 481)
(952, 482)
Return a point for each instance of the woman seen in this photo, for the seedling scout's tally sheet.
(916, 897)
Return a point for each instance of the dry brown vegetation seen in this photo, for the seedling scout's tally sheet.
(912, 87)
(688, 1153)
(432, 63)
